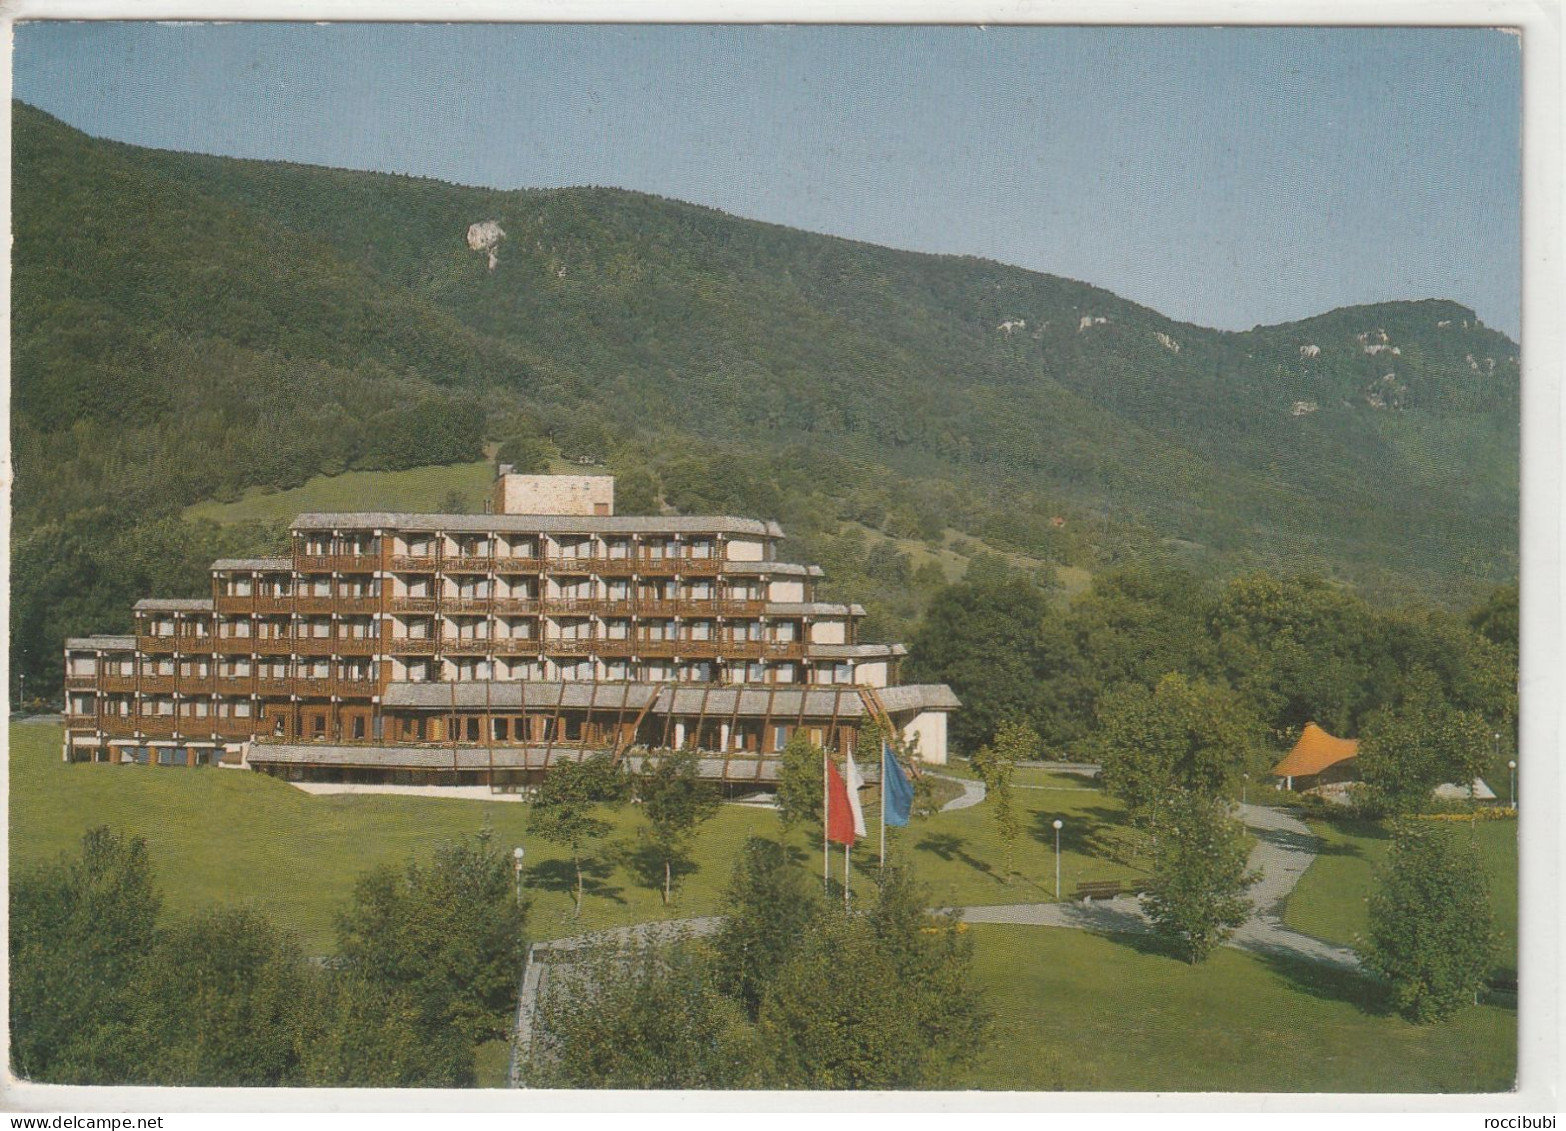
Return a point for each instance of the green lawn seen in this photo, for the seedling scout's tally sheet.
(1073, 1010)
(419, 490)
(1331, 899)
(221, 835)
(1076, 1011)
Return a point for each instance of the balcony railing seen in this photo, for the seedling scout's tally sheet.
(234, 603)
(156, 726)
(155, 643)
(414, 563)
(356, 645)
(270, 687)
(411, 645)
(272, 604)
(465, 604)
(313, 686)
(315, 603)
(356, 688)
(579, 646)
(361, 604)
(517, 605)
(516, 646)
(467, 563)
(504, 564)
(239, 645)
(81, 682)
(119, 683)
(194, 685)
(414, 604)
(465, 645)
(234, 684)
(157, 684)
(339, 563)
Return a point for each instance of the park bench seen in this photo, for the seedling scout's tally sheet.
(1098, 889)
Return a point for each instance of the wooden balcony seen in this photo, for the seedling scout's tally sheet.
(414, 604)
(274, 605)
(356, 645)
(469, 605)
(156, 726)
(200, 685)
(234, 684)
(468, 563)
(579, 606)
(580, 646)
(465, 645)
(314, 687)
(415, 563)
(119, 684)
(76, 721)
(513, 606)
(348, 606)
(356, 688)
(337, 563)
(565, 563)
(233, 604)
(120, 726)
(651, 647)
(156, 685)
(243, 645)
(158, 644)
(269, 688)
(410, 645)
(313, 603)
(517, 565)
(516, 646)
(313, 646)
(81, 682)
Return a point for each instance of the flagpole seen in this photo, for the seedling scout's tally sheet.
(826, 821)
(883, 804)
(846, 848)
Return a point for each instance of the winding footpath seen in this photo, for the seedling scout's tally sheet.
(1285, 847)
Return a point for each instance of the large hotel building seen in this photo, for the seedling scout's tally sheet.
(482, 649)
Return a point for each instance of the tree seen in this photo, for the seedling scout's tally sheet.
(675, 800)
(526, 452)
(642, 1015)
(79, 930)
(1430, 931)
(447, 931)
(369, 1034)
(1197, 895)
(767, 907)
(1422, 742)
(997, 763)
(1185, 734)
(223, 998)
(562, 811)
(800, 789)
(1005, 653)
(883, 1000)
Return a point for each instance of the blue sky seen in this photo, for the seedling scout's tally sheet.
(1227, 177)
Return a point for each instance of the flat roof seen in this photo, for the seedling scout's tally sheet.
(100, 643)
(269, 564)
(539, 523)
(813, 701)
(174, 604)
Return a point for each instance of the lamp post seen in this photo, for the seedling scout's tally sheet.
(1058, 825)
(1245, 780)
(516, 859)
(1512, 766)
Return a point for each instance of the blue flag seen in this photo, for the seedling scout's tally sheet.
(899, 790)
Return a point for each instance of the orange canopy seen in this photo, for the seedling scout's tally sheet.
(1314, 752)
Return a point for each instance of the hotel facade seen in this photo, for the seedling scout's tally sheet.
(483, 649)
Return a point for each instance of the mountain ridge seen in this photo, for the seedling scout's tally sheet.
(188, 326)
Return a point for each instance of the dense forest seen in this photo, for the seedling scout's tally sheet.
(188, 327)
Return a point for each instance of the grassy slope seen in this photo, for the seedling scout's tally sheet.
(1330, 901)
(1073, 1010)
(1081, 1012)
(224, 835)
(417, 490)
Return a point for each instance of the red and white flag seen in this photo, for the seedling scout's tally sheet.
(841, 807)
(856, 782)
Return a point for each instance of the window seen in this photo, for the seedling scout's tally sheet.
(242, 709)
(501, 730)
(358, 726)
(318, 726)
(779, 737)
(843, 673)
(473, 728)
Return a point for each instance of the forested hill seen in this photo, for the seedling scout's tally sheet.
(185, 327)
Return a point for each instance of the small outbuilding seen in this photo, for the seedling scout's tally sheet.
(1318, 758)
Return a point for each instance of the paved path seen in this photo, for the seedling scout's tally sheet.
(972, 793)
(1284, 849)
